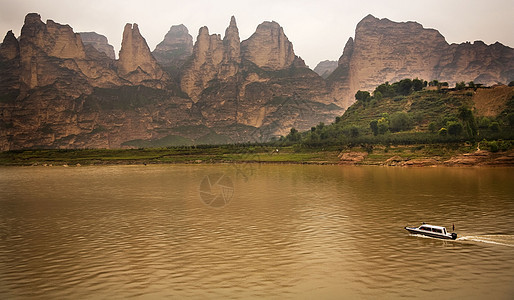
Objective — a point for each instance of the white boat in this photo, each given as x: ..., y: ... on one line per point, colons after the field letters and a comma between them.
x: 432, y: 231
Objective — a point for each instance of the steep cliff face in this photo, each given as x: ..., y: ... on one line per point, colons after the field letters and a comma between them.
x: 269, y: 47
x: 10, y: 70
x: 10, y: 48
x: 478, y: 62
x: 176, y: 47
x: 136, y: 63
x: 213, y: 58
x: 52, y: 53
x: 57, y: 91
x: 99, y: 42
x: 255, y: 89
x: 389, y: 51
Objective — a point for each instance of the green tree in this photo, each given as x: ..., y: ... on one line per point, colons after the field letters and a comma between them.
x: 383, y: 125
x: 377, y: 95
x: 432, y: 127
x: 466, y: 115
x: 294, y: 135
x: 454, y: 128
x: 362, y: 96
x: 400, y: 121
x: 403, y: 87
x: 460, y: 85
x: 484, y: 122
x: 417, y: 84
x: 385, y: 89
x: 374, y: 126
x: 354, y: 131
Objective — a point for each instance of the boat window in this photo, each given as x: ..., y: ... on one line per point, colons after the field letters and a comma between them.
x: 444, y: 230
x: 436, y: 230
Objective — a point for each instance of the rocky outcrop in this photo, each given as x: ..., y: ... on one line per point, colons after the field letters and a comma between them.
x: 252, y: 91
x: 10, y: 48
x: 57, y: 91
x: 384, y: 50
x: 213, y: 59
x: 477, y: 62
x: 136, y: 63
x: 10, y: 70
x: 176, y: 47
x: 52, y: 54
x: 99, y: 42
x: 268, y: 47
x: 325, y: 68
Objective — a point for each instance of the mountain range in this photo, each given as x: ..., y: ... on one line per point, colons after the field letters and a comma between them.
x: 61, y: 89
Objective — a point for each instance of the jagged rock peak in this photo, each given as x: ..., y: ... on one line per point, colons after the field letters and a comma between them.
x: 53, y: 38
x: 347, y: 52
x: 99, y: 42
x: 269, y: 47
x: 10, y: 48
x: 134, y: 51
x: 176, y: 47
x: 232, y: 43
x: 178, y: 37
x: 33, y: 18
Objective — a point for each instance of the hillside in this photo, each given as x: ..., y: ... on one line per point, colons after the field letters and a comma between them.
x: 428, y: 115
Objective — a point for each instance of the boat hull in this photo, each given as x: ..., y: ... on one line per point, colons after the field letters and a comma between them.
x: 412, y: 230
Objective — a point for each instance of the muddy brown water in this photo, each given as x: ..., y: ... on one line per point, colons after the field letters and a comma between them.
x: 254, y: 231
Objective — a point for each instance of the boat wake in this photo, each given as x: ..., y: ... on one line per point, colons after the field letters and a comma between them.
x: 498, y: 239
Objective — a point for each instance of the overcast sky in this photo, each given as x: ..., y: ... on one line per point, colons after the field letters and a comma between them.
x: 317, y: 29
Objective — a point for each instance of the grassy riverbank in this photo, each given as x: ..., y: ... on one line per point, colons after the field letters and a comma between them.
x: 429, y: 154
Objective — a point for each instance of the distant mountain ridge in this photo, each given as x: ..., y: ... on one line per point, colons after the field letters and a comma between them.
x: 60, y: 89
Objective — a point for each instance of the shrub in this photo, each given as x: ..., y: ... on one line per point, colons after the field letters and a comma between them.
x: 400, y: 121
x: 454, y: 128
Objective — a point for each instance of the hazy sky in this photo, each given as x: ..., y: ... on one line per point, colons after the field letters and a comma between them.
x: 318, y: 29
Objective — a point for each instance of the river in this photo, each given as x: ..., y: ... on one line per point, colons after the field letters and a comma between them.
x: 254, y: 231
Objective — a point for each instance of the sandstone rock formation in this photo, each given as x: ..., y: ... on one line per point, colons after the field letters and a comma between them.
x: 384, y: 50
x: 136, y: 63
x: 57, y: 91
x: 176, y: 47
x: 213, y: 58
x: 325, y: 68
x: 99, y: 42
x: 10, y: 48
x: 10, y: 70
x: 269, y: 47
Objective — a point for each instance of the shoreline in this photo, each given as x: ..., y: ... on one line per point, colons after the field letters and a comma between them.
x: 357, y: 157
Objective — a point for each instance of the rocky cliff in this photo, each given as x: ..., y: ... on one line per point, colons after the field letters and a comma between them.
x: 59, y: 89
x: 269, y: 47
x: 176, y: 47
x: 384, y: 50
x: 136, y: 63
x: 99, y: 42
x: 254, y: 89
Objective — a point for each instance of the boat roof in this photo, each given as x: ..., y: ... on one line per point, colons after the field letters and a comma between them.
x: 433, y: 226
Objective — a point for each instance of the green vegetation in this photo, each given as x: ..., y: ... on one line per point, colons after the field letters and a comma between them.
x: 403, y: 113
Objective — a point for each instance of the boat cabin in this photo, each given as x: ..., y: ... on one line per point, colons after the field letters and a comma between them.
x: 432, y: 228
